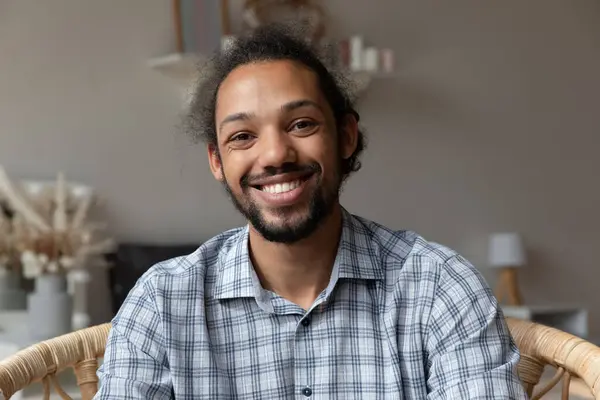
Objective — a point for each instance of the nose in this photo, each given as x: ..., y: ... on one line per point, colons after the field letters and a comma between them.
x: 276, y: 149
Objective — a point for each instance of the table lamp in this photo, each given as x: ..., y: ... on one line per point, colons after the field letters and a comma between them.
x: 506, y: 252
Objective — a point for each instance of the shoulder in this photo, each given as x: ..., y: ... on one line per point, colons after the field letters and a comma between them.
x: 193, y: 267
x: 176, y: 286
x: 405, y: 252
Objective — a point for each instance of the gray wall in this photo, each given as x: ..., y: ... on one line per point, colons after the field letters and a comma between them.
x: 491, y: 124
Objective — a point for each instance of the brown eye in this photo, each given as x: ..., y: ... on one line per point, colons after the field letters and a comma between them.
x: 241, y: 137
x: 303, y: 125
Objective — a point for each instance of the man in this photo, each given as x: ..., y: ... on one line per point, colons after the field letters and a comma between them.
x: 307, y: 300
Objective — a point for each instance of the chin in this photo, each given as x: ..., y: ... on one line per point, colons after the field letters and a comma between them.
x: 285, y: 233
x: 294, y: 211
x: 283, y: 220
x: 290, y: 225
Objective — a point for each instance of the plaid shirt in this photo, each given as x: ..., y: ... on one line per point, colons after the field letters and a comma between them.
x: 402, y: 318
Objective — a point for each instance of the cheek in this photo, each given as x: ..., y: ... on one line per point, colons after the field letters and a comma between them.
x: 327, y: 154
x: 232, y: 172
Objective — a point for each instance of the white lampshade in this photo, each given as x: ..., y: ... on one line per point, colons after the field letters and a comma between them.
x: 506, y: 250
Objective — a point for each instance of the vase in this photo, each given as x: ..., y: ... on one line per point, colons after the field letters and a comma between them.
x: 12, y: 295
x: 49, y: 307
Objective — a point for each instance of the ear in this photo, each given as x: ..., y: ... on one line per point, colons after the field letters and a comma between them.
x: 348, y: 135
x: 214, y: 160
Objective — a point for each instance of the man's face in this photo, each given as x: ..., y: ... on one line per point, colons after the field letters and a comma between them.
x: 279, y: 150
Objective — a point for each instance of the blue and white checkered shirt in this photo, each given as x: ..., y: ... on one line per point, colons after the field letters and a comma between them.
x: 402, y: 318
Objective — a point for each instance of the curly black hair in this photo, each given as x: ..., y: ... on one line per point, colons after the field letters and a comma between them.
x: 269, y: 43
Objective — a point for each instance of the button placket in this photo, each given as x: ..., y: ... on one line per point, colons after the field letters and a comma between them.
x: 303, y: 354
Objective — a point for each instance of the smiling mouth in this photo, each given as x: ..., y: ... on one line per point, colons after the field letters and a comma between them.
x: 283, y: 187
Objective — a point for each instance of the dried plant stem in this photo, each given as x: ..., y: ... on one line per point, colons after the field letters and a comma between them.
x: 19, y: 203
x: 59, y: 221
x: 81, y: 212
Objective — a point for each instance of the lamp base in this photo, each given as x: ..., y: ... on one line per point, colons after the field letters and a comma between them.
x: 508, y: 285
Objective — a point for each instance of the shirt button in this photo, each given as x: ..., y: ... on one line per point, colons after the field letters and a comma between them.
x: 307, y: 391
x: 306, y: 322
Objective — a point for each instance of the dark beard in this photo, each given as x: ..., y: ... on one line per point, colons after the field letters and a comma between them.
x: 320, y: 206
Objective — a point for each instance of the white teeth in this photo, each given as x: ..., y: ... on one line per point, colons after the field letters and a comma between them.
x: 281, y: 187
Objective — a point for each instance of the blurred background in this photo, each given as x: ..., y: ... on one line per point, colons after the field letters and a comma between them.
x: 482, y: 119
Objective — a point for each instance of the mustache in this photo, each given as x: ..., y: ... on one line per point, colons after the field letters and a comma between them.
x: 313, y: 168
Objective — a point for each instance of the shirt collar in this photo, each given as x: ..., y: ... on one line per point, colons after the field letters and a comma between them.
x: 357, y: 258
x: 236, y: 276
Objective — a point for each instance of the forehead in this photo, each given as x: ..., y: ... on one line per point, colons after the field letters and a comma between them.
x: 263, y: 86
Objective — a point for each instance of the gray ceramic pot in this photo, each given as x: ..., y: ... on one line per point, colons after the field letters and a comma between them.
x: 12, y: 295
x: 50, y: 307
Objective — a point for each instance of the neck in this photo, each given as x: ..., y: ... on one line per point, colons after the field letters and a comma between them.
x: 299, y: 271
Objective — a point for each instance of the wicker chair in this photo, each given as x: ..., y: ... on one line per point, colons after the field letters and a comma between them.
x: 539, y: 345
x: 40, y: 362
x: 571, y: 356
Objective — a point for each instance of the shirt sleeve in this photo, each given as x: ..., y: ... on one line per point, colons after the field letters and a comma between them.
x: 471, y: 354
x: 135, y: 363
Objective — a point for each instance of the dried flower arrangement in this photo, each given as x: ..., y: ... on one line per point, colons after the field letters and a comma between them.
x: 50, y: 229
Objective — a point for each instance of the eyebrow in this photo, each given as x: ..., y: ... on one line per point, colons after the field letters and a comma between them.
x: 242, y: 116
x: 291, y: 106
